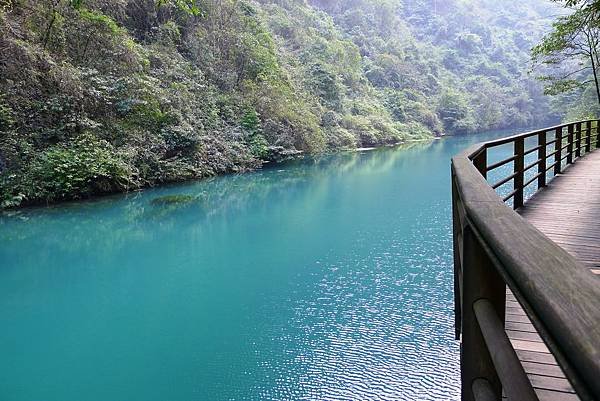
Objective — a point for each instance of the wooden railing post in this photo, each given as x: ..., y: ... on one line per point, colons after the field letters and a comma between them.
x: 487, y: 238
x: 570, y: 144
x: 557, y: 149
x: 480, y: 163
x: 578, y: 140
x: 588, y: 136
x: 542, y: 157
x: 480, y: 280
x: 457, y: 224
x: 519, y: 166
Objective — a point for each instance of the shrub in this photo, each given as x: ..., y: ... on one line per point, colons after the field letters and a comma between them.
x: 250, y: 121
x: 80, y: 168
x: 6, y: 115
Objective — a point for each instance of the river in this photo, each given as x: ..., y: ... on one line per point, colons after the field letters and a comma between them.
x: 326, y: 278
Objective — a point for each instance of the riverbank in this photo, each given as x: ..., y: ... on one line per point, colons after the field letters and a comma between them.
x: 277, y: 156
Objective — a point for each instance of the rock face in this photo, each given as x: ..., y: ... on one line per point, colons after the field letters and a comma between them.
x: 279, y: 154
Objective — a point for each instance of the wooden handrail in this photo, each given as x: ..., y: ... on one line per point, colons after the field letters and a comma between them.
x: 495, y: 247
x: 575, y: 147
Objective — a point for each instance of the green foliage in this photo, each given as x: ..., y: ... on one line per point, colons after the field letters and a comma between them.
x: 100, y: 20
x: 580, y: 105
x: 188, y: 6
x: 325, y: 86
x: 558, y: 86
x: 250, y: 121
x: 455, y: 112
x: 6, y: 115
x: 100, y: 96
x: 169, y: 34
x: 568, y: 55
x: 259, y: 147
x: 6, y: 6
x: 84, y: 167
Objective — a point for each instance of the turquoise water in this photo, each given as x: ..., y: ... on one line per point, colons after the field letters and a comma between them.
x: 320, y: 279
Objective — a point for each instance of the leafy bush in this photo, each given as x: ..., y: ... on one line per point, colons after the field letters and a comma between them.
x: 83, y: 167
x: 6, y: 115
x: 251, y: 122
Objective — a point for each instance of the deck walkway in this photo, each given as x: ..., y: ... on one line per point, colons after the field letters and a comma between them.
x: 568, y: 212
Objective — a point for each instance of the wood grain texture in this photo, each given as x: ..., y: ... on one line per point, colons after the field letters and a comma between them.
x: 542, y: 272
x: 550, y: 263
x: 568, y: 212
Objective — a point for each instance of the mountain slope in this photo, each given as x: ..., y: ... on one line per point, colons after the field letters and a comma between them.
x: 99, y: 96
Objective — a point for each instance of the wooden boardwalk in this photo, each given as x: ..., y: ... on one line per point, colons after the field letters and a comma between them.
x: 567, y: 212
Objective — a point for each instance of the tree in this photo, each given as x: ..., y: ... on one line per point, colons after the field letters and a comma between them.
x: 590, y: 4
x: 571, y: 49
x: 56, y: 9
x: 455, y: 113
x: 188, y: 6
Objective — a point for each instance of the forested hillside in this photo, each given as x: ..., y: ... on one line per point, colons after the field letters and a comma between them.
x: 98, y: 96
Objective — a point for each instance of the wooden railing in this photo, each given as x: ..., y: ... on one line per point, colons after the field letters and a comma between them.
x: 495, y: 247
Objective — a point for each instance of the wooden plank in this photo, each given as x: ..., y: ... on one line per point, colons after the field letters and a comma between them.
x: 514, y: 311
x: 526, y: 336
x: 525, y: 327
x: 538, y: 357
x: 530, y: 346
x: 543, y: 369
x: 549, y: 395
x: 517, y: 318
x: 567, y: 210
x: 551, y: 383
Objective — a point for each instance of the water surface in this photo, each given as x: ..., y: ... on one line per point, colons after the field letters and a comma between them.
x: 327, y: 278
